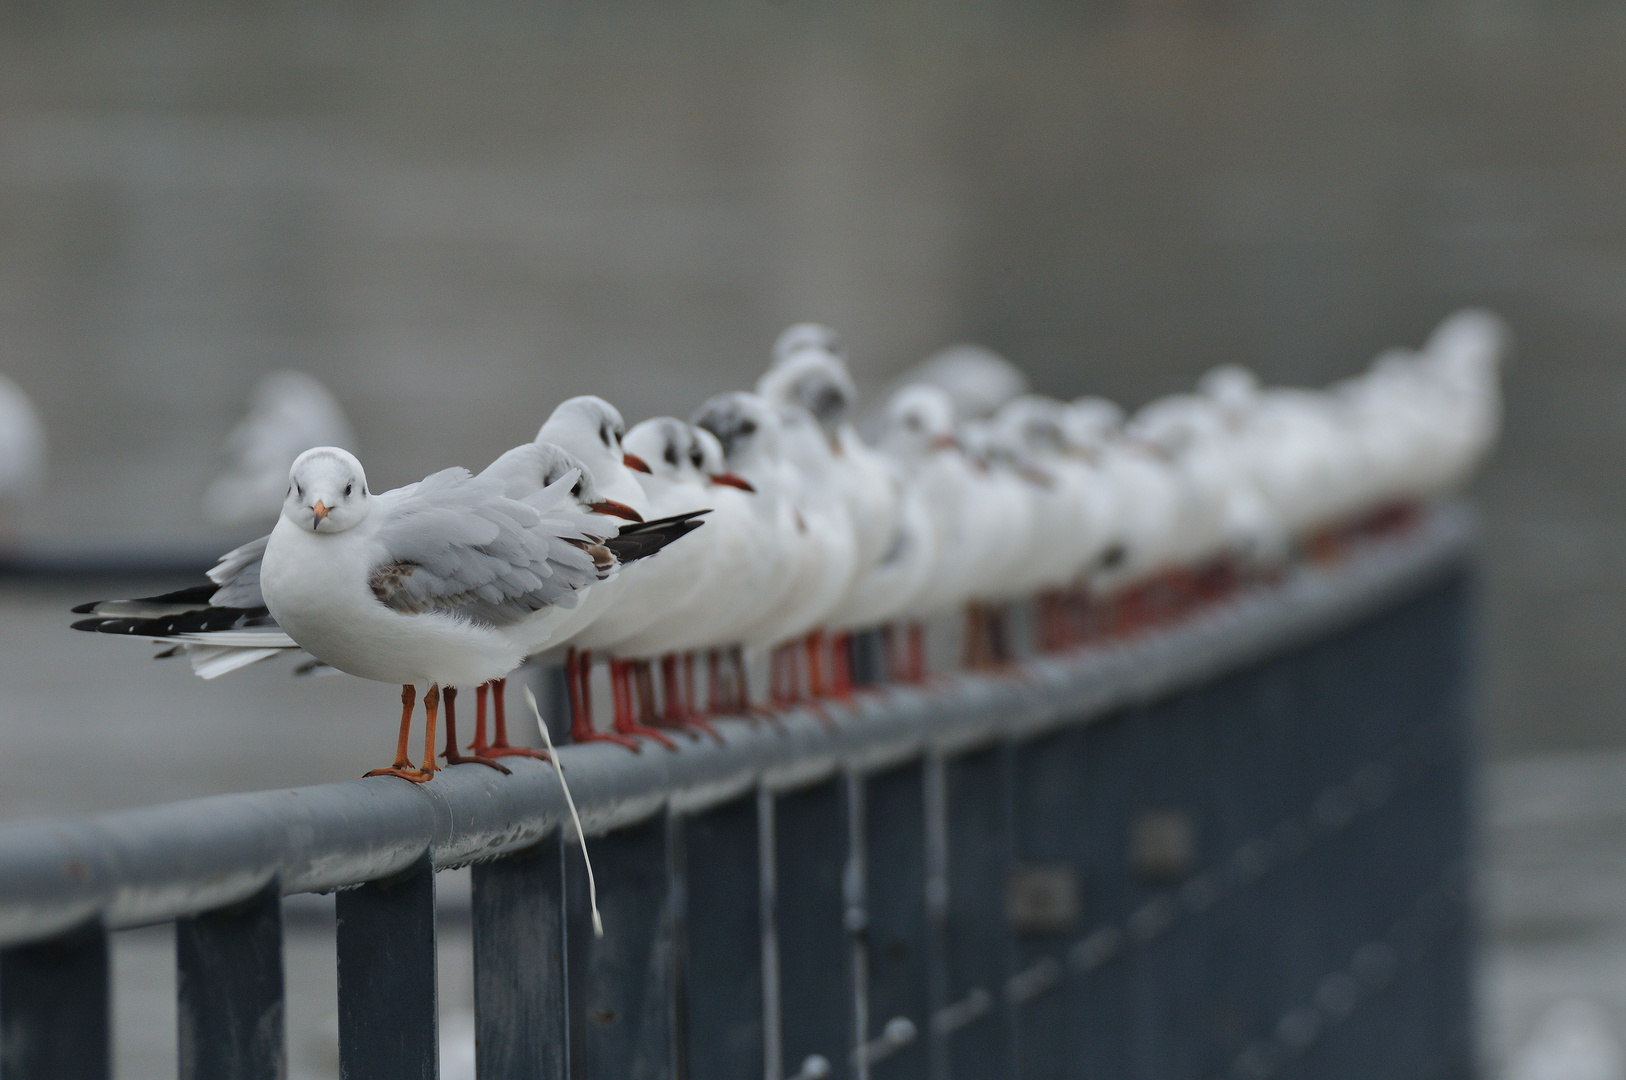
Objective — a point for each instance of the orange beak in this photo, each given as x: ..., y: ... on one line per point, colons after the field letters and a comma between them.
x: 633, y: 461
x: 615, y: 509
x: 733, y: 480
x: 320, y: 511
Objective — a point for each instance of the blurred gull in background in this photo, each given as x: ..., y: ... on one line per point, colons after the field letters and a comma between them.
x: 22, y: 455
x: 289, y: 412
x: 977, y: 379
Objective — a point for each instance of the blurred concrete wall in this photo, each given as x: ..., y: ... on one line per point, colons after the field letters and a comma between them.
x: 457, y: 219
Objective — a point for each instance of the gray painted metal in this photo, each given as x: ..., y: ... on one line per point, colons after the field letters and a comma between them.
x: 722, y: 943
x: 387, y: 989
x: 897, y: 939
x: 810, y: 898
x: 519, y: 965
x: 143, y: 866
x: 55, y: 1019
x: 623, y: 1022
x: 229, y: 992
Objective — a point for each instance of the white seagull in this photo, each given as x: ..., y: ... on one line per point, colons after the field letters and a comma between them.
x: 288, y: 413
x: 441, y: 582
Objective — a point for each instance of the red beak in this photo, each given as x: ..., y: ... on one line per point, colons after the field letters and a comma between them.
x: 733, y: 480
x: 615, y: 509
x: 633, y: 461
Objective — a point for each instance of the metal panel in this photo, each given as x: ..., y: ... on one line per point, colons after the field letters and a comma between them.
x: 519, y: 966
x: 722, y: 954
x: 971, y: 1032
x: 622, y: 989
x: 899, y: 1007
x: 229, y: 992
x: 810, y: 912
x: 54, y: 1008
x: 386, y: 947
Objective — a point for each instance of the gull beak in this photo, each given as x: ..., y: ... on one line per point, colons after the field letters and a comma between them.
x: 633, y: 461
x: 615, y: 509
x: 733, y: 480
x: 321, y: 513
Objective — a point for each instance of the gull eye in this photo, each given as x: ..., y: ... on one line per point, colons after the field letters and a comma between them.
x: 671, y: 456
x: 299, y: 491
x: 604, y: 434
x: 748, y: 427
x: 577, y: 490
x: 696, y: 458
x: 349, y: 489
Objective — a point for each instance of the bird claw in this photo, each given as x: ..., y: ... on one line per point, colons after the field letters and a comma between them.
x: 479, y: 757
x: 511, y: 751
x: 405, y: 772
x: 639, y: 729
x: 608, y: 736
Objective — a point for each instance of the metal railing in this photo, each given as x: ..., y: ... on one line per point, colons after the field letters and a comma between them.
x: 1234, y: 847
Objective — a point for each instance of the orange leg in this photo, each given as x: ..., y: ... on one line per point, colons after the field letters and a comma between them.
x: 579, y: 677
x: 404, y: 766
x: 452, y: 754
x: 917, y: 652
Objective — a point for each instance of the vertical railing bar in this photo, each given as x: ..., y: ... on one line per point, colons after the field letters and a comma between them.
x: 387, y: 987
x: 936, y: 900
x: 56, y: 1017
x: 230, y: 1009
x: 773, y: 1066
x: 857, y: 922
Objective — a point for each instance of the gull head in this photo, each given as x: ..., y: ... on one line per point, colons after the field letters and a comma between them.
x: 746, y: 427
x: 666, y: 445
x: 1092, y: 422
x: 809, y: 336
x: 550, y: 464
x: 592, y: 429
x: 815, y: 380
x: 1233, y: 388
x: 327, y: 491
x: 1036, y: 422
x: 918, y: 419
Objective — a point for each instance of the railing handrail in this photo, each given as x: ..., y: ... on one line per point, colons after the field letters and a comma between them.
x: 134, y: 867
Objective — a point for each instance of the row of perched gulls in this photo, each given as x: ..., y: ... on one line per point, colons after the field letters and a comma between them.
x: 766, y: 524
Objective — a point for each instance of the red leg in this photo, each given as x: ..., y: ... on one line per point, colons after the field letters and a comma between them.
x: 500, y: 746
x: 917, y: 652
x: 402, y: 766
x: 621, y: 678
x: 677, y: 693
x: 578, y: 676
x: 452, y: 754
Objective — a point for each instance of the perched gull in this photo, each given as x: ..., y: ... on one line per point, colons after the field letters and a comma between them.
x: 977, y: 379
x: 440, y: 582
x: 288, y: 413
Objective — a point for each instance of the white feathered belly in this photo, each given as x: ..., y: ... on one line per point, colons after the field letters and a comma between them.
x: 316, y: 588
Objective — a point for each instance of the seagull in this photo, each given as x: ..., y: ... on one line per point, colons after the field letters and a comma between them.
x: 288, y: 413
x: 977, y: 379
x: 810, y: 374
x: 441, y: 582
x: 22, y: 452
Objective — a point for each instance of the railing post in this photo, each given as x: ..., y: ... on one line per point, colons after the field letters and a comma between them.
x: 229, y: 991
x: 519, y: 965
x: 54, y: 1008
x: 816, y: 1007
x: 722, y: 948
x: 387, y: 992
x: 622, y: 987
x: 899, y: 1005
x: 966, y: 897
x: 1072, y: 811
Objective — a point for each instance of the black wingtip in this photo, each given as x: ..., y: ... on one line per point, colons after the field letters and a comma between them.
x: 646, y: 538
x: 84, y: 609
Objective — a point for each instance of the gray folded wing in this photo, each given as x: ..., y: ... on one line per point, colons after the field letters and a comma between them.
x: 455, y: 543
